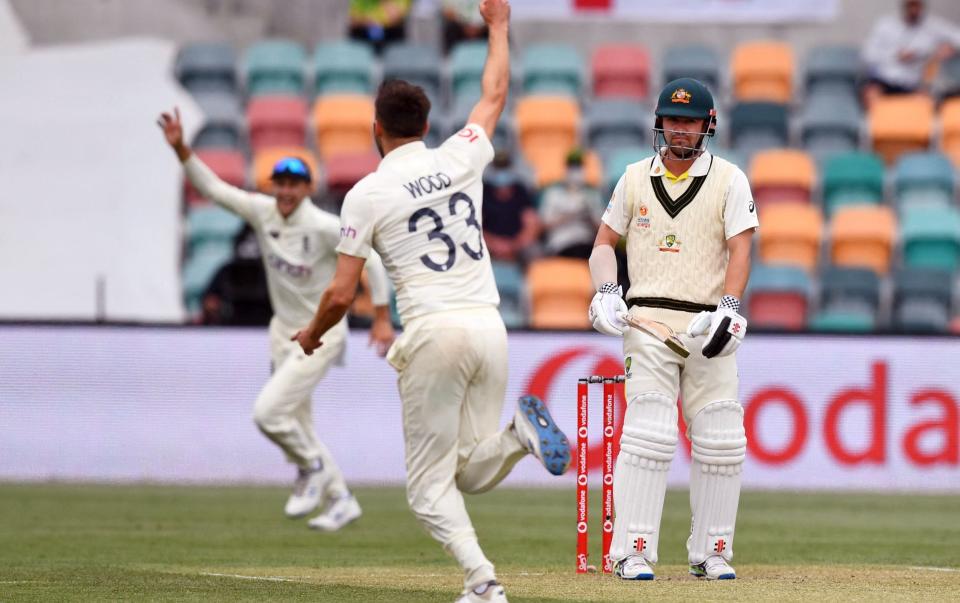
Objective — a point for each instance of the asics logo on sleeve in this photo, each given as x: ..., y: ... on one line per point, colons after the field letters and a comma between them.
x: 424, y: 185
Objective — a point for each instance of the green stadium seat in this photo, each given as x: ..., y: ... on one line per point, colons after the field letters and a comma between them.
x: 616, y: 123
x: 931, y: 237
x: 466, y: 69
x: 778, y: 297
x: 848, y: 289
x: 416, y: 63
x: 832, y: 68
x: 510, y: 284
x: 207, y: 67
x: 843, y: 321
x: 211, y: 223
x: 756, y: 126
x: 345, y: 66
x: 552, y: 69
x: 616, y: 164
x: 275, y: 67
x: 922, y: 299
x: 201, y: 266
x: 696, y: 61
x: 831, y: 123
x: 924, y: 178
x: 947, y: 81
x: 852, y: 179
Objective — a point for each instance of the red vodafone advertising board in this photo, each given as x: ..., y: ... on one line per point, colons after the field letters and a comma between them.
x: 163, y: 405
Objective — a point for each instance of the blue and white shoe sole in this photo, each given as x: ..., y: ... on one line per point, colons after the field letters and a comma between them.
x: 553, y: 444
x: 639, y: 577
x: 699, y: 573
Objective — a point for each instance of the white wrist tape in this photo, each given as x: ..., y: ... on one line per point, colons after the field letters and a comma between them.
x: 603, y: 266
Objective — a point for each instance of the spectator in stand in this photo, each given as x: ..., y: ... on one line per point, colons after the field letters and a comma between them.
x: 237, y: 295
x: 571, y: 213
x: 461, y: 22
x: 379, y: 22
x: 900, y: 48
x: 511, y: 226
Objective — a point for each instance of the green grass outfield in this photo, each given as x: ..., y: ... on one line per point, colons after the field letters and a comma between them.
x: 93, y: 542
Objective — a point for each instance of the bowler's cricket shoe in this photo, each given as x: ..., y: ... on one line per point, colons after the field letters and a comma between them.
x: 633, y: 567
x: 488, y: 592
x: 540, y: 435
x: 307, y: 493
x: 339, y: 513
x: 714, y: 567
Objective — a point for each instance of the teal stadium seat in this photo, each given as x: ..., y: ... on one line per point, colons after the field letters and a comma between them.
x: 211, y: 224
x: 833, y: 69
x: 831, y: 123
x: 416, y: 63
x: 466, y: 70
x: 275, y: 67
x: 852, y: 179
x: 200, y: 268
x: 778, y: 297
x: 923, y: 178
x: 842, y: 321
x: 343, y: 67
x: 617, y: 123
x: 849, y: 300
x: 207, y: 67
x: 510, y: 284
x: 693, y: 60
x: 757, y: 126
x: 734, y: 157
x: 552, y: 69
x: 922, y: 300
x: 931, y: 237
x: 616, y: 164
x: 947, y: 82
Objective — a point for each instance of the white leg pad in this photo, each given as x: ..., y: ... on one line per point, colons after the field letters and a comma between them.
x: 719, y: 446
x: 640, y: 476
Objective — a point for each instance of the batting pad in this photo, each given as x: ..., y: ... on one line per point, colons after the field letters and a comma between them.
x: 719, y: 445
x: 640, y: 478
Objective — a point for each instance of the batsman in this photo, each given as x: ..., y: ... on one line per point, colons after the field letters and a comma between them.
x: 688, y: 218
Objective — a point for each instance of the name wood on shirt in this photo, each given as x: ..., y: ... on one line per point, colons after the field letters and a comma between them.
x: 424, y: 185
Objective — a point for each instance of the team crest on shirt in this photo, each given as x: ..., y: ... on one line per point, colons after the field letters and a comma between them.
x: 670, y: 243
x: 680, y: 96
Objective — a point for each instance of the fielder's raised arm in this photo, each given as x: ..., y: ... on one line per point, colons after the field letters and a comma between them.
x: 495, y: 83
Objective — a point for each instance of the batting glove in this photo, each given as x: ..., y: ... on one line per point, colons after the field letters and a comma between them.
x: 724, y: 328
x: 606, y: 305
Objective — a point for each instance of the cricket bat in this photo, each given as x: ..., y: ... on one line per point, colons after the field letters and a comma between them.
x: 658, y: 330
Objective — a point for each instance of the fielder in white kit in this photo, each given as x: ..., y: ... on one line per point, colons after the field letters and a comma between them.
x: 421, y: 212
x: 688, y: 218
x: 297, y: 240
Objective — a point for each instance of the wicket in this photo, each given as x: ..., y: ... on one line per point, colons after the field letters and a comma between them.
x: 583, y: 490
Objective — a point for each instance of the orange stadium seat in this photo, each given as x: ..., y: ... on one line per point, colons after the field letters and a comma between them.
x: 782, y: 175
x: 263, y: 162
x: 343, y: 123
x: 950, y: 129
x: 560, y: 293
x: 763, y: 71
x: 547, y: 128
x: 621, y: 70
x: 862, y: 236
x: 228, y: 164
x: 552, y: 168
x: 790, y: 235
x: 276, y: 121
x: 899, y: 124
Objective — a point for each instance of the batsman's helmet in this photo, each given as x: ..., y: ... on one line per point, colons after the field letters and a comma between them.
x: 685, y: 97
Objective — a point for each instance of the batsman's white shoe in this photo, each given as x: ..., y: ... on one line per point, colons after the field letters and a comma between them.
x: 488, y: 592
x: 714, y: 567
x: 341, y: 511
x: 540, y: 435
x: 633, y: 567
x: 307, y: 493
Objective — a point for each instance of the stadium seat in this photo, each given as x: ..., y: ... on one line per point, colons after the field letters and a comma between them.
x: 345, y: 66
x: 863, y: 236
x: 830, y: 123
x: 782, y: 175
x: 755, y: 126
x: 228, y: 164
x: 343, y: 171
x: 621, y: 71
x: 211, y: 224
x: 852, y: 179
x: 843, y: 321
x: 275, y: 67
x: 466, y: 69
x: 560, y: 292
x: 900, y: 124
x: 504, y: 137
x: 923, y: 178
x: 735, y: 157
x: 616, y: 164
x: 778, y: 297
x: 763, y: 71
x: 694, y: 60
x: 263, y: 162
x: 616, y: 123
x: 547, y: 128
x: 416, y: 63
x: 849, y: 289
x: 276, y: 121
x: 832, y: 68
x: 922, y: 300
x: 510, y: 284
x: 950, y: 125
x: 552, y: 69
x: 550, y: 168
x: 931, y: 237
x: 204, y: 261
x: 343, y: 123
x: 223, y: 127
x: 947, y: 81
x: 207, y: 67
x: 790, y: 235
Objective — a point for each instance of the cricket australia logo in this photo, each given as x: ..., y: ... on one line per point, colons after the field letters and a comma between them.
x: 670, y: 243
x: 680, y: 96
